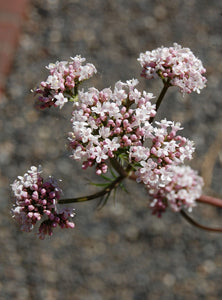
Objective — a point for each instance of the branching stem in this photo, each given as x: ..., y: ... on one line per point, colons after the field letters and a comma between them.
x: 128, y: 172
x: 114, y: 184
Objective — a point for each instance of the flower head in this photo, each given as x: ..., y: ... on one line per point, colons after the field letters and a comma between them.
x: 177, y: 65
x: 180, y: 192
x: 36, y: 199
x: 105, y: 122
x: 166, y: 149
x: 64, y: 77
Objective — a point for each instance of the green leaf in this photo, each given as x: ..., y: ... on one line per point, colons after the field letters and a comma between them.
x: 112, y: 172
x: 103, y: 201
x: 123, y: 188
x: 106, y: 178
x: 99, y: 184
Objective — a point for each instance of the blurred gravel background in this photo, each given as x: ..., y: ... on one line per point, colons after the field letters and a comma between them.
x: 121, y: 252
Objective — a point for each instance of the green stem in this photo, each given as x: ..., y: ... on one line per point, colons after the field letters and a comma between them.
x: 119, y: 169
x: 114, y: 184
x: 161, y: 96
x: 76, y: 89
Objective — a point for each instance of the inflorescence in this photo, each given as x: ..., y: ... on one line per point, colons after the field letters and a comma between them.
x: 117, y: 124
x: 36, y: 200
x: 177, y: 64
x: 63, y: 79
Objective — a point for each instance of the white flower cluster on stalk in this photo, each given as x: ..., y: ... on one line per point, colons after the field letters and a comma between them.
x: 36, y: 200
x: 63, y: 79
x: 176, y: 64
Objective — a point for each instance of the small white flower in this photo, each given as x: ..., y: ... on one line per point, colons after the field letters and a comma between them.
x: 60, y: 100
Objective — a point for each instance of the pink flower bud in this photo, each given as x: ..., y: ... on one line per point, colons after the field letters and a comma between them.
x: 35, y: 195
x: 31, y: 207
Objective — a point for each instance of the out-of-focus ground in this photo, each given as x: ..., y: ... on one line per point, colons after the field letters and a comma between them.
x: 121, y: 252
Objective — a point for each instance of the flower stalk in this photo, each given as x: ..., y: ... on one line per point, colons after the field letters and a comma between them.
x: 196, y: 224
x: 210, y: 200
x: 107, y: 190
x: 161, y: 96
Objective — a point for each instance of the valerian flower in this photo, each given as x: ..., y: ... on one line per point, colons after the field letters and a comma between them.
x: 63, y: 79
x: 36, y: 199
x: 182, y: 190
x: 176, y: 64
x: 105, y: 122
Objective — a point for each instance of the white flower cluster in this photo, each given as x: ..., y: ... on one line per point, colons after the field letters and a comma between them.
x: 184, y: 187
x: 167, y: 149
x: 107, y: 123
x: 64, y: 77
x: 176, y: 64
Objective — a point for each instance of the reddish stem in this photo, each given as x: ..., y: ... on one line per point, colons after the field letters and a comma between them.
x: 210, y: 200
x: 196, y: 224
